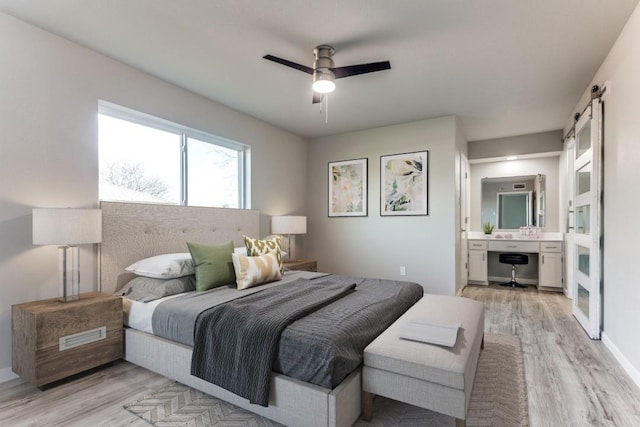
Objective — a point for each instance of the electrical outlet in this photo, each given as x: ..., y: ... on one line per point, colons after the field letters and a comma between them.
x: 403, y: 270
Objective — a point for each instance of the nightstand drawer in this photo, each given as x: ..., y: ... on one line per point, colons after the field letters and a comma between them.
x: 53, y: 364
x: 52, y: 325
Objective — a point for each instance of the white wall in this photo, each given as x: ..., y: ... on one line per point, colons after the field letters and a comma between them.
x: 49, y: 92
x: 547, y: 166
x: 376, y: 246
x: 621, y: 202
x: 461, y: 150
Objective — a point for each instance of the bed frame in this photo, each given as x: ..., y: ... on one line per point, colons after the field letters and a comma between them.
x: 132, y: 231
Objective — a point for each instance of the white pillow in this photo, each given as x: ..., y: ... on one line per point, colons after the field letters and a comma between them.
x: 167, y: 266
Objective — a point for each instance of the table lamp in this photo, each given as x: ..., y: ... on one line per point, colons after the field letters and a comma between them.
x: 67, y: 228
x: 289, y: 224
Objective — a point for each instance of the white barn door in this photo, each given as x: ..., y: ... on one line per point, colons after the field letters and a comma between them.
x: 587, y: 221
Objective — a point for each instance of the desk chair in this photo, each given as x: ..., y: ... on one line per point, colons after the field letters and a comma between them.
x: 513, y: 259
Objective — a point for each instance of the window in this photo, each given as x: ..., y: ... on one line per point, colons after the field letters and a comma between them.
x: 147, y: 159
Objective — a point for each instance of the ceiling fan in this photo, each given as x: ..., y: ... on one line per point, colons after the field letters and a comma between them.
x: 324, y: 73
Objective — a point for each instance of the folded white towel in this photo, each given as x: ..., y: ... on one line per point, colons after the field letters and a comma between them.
x: 432, y: 332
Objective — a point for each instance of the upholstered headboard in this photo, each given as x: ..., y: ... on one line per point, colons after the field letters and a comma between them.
x: 133, y: 231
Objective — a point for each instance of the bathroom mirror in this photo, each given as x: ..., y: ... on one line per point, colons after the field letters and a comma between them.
x: 509, y: 203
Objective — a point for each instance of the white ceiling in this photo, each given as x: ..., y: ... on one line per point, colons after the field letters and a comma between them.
x: 505, y: 67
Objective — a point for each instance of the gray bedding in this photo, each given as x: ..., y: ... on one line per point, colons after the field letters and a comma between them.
x: 321, y: 348
x: 175, y: 319
x: 239, y: 355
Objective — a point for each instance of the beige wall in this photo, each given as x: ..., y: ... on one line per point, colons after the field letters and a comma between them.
x: 49, y: 92
x: 621, y: 280
x: 376, y: 246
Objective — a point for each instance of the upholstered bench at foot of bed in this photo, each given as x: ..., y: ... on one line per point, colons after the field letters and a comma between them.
x: 430, y: 376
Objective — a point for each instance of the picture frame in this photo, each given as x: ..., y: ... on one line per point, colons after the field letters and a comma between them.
x: 404, y: 184
x: 348, y: 188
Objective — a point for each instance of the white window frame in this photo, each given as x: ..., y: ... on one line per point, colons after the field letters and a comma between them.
x: 123, y: 113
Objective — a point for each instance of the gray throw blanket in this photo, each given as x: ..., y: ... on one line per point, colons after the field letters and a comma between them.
x: 236, y: 342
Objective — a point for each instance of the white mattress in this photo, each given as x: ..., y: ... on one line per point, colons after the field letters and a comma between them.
x: 137, y: 315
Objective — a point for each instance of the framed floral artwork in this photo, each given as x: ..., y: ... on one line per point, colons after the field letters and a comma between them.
x: 348, y: 188
x: 404, y: 184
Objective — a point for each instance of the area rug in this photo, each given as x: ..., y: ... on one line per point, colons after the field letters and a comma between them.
x: 498, y: 398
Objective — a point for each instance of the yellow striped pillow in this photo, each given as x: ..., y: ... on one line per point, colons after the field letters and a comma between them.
x: 255, y: 270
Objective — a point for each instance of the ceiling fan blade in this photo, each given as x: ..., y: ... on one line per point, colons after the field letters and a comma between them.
x: 317, y: 98
x: 354, y: 70
x: 302, y: 68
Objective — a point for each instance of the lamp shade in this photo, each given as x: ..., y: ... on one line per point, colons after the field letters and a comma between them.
x: 52, y: 226
x: 288, y: 224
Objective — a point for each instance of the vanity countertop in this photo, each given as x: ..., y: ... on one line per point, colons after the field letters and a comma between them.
x: 548, y: 236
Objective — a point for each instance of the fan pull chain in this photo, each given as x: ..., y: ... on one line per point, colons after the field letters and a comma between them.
x: 326, y: 108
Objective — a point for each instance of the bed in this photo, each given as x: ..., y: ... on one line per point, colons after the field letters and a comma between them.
x: 135, y: 231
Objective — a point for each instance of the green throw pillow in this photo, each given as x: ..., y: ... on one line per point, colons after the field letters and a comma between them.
x: 213, y: 265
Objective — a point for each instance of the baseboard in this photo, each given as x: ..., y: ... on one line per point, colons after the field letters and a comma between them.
x: 626, y: 365
x: 524, y: 281
x: 7, y: 374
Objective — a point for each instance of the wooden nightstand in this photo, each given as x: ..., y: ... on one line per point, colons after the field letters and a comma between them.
x: 53, y: 340
x: 301, y: 264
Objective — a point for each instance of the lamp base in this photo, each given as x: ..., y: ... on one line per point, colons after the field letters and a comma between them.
x: 291, y: 257
x: 68, y: 273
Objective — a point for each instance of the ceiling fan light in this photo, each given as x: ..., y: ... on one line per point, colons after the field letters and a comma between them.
x: 323, y: 82
x: 324, y: 86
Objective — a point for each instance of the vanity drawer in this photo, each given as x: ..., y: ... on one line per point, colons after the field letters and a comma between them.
x: 478, y: 244
x: 550, y: 246
x: 514, y: 246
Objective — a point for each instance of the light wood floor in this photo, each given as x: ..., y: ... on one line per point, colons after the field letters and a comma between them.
x: 571, y: 380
